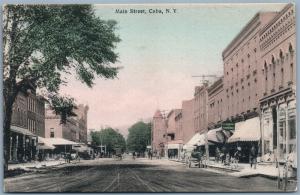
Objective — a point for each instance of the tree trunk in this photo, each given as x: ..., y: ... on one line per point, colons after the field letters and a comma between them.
x: 9, y: 97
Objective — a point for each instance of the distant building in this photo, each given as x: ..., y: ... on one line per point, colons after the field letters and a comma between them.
x: 200, y: 108
x: 188, y: 129
x: 159, y: 129
x: 75, y: 128
x: 215, y: 104
x: 27, y: 123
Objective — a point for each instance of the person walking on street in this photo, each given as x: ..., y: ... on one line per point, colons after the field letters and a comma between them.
x: 253, y: 156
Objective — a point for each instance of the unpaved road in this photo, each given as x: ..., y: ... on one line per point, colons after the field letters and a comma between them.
x: 134, y: 176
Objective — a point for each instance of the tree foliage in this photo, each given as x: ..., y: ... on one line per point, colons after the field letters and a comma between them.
x: 110, y: 138
x: 43, y: 42
x: 139, y: 137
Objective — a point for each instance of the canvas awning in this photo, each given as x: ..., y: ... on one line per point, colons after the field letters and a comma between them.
x: 21, y: 130
x: 44, y: 145
x: 59, y: 142
x: 248, y: 130
x: 197, y: 140
x: 215, y: 136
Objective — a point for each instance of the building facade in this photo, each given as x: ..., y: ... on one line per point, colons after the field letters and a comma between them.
x: 159, y: 129
x: 81, y: 111
x: 277, y: 41
x: 242, y: 75
x: 188, y: 129
x: 200, y: 108
x: 215, y: 104
x: 28, y: 122
x: 75, y: 128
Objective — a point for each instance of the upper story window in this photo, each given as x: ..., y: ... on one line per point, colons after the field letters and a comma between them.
x: 51, y: 132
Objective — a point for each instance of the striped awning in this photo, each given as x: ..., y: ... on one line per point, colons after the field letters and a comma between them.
x: 248, y: 130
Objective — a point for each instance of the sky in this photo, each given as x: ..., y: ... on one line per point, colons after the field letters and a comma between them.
x: 159, y: 54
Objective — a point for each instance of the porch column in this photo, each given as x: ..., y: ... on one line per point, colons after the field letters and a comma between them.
x: 10, y: 148
x: 24, y: 148
x: 287, y: 134
x: 262, y: 133
x: 278, y: 133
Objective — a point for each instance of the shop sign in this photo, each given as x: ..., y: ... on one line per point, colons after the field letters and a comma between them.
x: 228, y: 126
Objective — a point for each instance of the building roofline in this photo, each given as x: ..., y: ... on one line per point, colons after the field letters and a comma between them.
x: 241, y: 32
x: 271, y: 22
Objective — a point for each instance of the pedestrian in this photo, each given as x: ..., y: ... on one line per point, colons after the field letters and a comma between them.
x: 253, y: 156
x: 227, y: 159
x: 217, y: 157
x: 133, y: 155
x: 236, y: 157
x: 40, y: 156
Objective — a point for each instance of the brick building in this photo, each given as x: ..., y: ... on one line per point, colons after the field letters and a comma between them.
x: 159, y: 129
x: 27, y: 123
x: 277, y: 41
x: 242, y: 79
x: 215, y: 104
x: 188, y: 129
x: 75, y: 128
x: 200, y: 108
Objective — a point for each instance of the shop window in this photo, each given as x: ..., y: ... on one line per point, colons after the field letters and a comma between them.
x: 292, y: 128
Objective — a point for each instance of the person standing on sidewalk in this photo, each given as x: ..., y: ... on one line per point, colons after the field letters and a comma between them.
x: 253, y: 156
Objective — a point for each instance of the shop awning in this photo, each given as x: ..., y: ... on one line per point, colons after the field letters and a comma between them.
x: 248, y: 130
x: 44, y: 145
x: 59, y: 142
x: 197, y: 140
x: 21, y: 130
x: 216, y: 136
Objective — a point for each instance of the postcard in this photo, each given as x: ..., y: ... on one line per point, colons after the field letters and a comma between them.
x: 178, y: 97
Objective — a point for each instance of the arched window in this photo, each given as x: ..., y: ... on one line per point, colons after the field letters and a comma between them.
x: 291, y: 50
x: 282, y: 77
x: 280, y: 54
x: 273, y: 60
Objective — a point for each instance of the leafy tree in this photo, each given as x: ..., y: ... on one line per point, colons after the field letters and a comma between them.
x: 109, y: 138
x: 139, y: 137
x: 43, y: 42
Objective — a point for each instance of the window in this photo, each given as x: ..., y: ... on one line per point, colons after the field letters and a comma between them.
x: 273, y: 60
x: 51, y: 132
x: 282, y: 76
x: 291, y: 50
x: 281, y: 54
x: 292, y: 72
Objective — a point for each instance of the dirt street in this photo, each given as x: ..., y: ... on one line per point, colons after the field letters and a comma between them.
x: 141, y: 175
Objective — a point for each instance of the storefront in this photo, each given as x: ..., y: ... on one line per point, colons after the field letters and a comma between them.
x: 174, y: 149
x: 247, y: 134
x: 279, y: 137
x: 23, y: 145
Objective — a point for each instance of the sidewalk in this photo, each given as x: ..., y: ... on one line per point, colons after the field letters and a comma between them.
x: 35, y: 164
x: 244, y: 169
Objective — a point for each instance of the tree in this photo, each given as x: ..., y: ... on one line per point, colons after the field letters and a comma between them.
x: 139, y: 137
x: 109, y: 138
x: 43, y: 42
